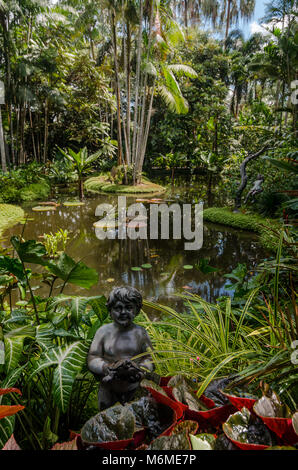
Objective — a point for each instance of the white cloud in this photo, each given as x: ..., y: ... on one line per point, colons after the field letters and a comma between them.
x: 257, y: 28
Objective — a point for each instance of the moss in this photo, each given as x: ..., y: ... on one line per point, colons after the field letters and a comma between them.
x: 10, y: 215
x: 101, y: 183
x: 268, y: 229
x: 35, y: 192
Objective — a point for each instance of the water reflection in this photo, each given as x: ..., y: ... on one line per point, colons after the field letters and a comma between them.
x: 113, y: 259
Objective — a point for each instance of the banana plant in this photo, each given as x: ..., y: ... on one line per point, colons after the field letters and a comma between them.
x: 82, y: 163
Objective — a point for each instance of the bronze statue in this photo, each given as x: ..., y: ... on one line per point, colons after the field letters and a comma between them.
x: 114, y: 345
x: 256, y: 189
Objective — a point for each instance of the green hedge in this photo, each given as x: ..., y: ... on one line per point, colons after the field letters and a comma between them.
x: 267, y: 228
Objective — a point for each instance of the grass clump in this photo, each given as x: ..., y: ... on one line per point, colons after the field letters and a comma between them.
x: 10, y: 215
x: 268, y: 229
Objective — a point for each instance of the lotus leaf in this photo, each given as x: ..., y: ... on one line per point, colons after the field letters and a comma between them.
x: 245, y: 428
x: 113, y: 424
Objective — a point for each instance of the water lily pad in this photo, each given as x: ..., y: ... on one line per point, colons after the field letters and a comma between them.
x: 136, y: 268
x: 73, y: 203
x: 188, y: 266
x: 147, y: 266
x: 106, y: 224
x: 43, y: 208
x: 113, y: 424
x: 49, y: 203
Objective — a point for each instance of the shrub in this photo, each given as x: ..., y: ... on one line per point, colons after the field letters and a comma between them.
x: 35, y: 191
x: 9, y: 194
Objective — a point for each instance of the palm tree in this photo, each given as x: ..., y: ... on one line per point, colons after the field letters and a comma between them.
x: 233, y: 10
x: 144, y: 72
x: 242, y: 53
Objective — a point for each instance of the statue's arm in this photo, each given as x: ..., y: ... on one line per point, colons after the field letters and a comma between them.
x: 96, y: 363
x: 146, y: 361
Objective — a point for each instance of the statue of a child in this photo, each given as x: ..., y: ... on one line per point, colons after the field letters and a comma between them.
x: 114, y: 345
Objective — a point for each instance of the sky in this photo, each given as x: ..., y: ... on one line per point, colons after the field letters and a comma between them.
x: 253, y: 25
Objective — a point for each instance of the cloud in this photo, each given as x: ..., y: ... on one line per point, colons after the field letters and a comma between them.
x: 257, y: 28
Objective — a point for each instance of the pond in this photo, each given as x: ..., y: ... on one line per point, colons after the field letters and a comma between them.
x: 113, y: 259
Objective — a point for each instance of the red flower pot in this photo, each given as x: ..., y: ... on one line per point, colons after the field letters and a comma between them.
x: 240, y: 402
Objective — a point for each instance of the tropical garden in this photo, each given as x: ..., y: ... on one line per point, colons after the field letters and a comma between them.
x: 161, y: 102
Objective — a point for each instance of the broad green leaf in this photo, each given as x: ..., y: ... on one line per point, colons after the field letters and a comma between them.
x: 13, y: 352
x: 98, y: 305
x: 44, y: 335
x: 29, y: 251
x: 77, y: 308
x: 12, y: 266
x: 67, y: 363
x: 73, y: 272
x: 284, y: 165
x: 6, y: 429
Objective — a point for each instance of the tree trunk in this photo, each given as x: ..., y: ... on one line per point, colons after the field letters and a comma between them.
x: 139, y: 49
x: 2, y: 146
x: 119, y: 130
x: 186, y: 14
x: 227, y: 22
x: 46, y: 132
x: 81, y: 188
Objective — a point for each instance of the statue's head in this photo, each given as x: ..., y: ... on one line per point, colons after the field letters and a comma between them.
x: 260, y: 177
x: 124, y: 303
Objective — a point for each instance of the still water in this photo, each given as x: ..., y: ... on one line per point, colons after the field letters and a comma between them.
x: 113, y: 259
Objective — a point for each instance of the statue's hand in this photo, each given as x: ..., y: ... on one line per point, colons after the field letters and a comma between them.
x: 135, y: 375
x: 108, y: 378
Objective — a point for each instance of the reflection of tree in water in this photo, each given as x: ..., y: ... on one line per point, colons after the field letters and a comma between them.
x: 113, y: 259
